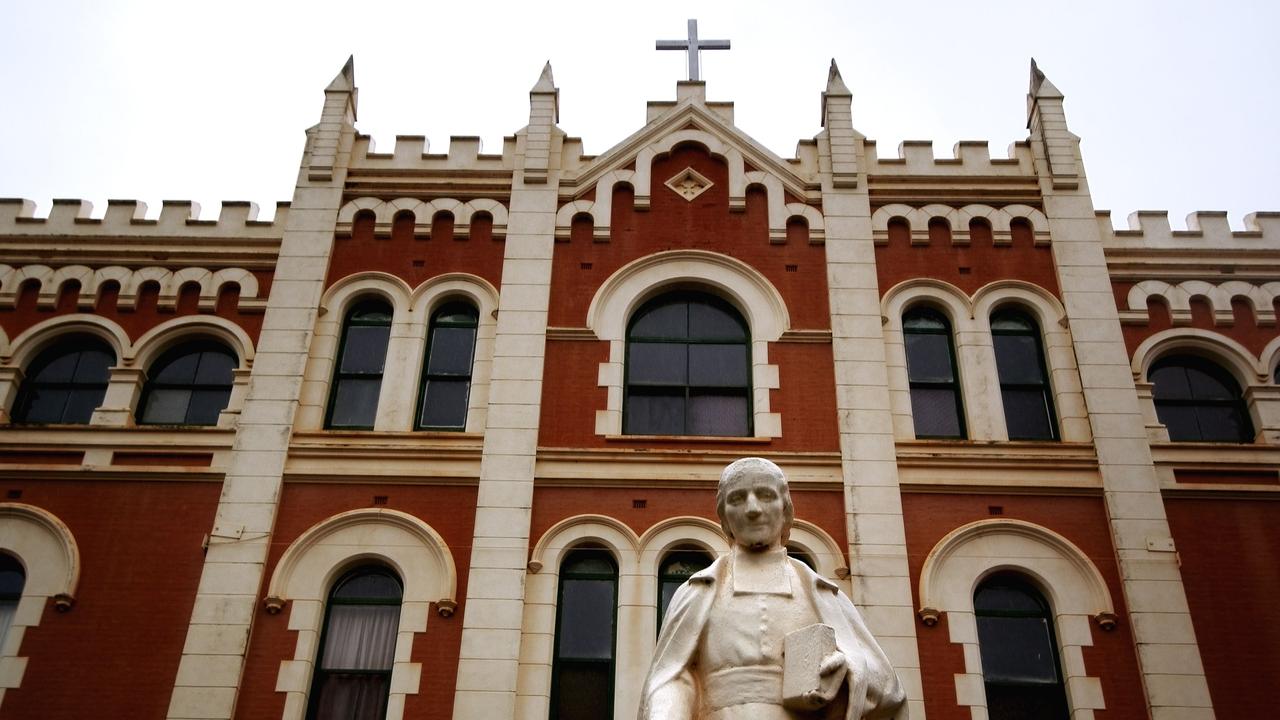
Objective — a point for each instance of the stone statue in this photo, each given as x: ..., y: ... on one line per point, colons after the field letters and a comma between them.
x: 760, y: 636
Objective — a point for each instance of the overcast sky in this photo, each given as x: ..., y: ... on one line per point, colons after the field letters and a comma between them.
x: 1176, y: 101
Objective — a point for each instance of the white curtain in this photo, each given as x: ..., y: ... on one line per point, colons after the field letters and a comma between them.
x: 361, y: 637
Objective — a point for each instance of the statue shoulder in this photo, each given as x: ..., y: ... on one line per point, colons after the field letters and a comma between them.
x: 814, y: 579
x: 711, y: 573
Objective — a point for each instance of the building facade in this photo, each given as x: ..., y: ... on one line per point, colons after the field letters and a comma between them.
x: 439, y: 439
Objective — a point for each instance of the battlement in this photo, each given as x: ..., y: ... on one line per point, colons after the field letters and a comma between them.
x: 1206, y: 230
x: 968, y: 157
x: 412, y: 152
x: 127, y: 218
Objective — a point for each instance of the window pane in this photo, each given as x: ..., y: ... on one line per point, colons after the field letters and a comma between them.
x: 929, y: 358
x: 176, y: 370
x: 586, y: 619
x: 655, y: 413
x: 583, y: 691
x: 94, y: 367
x: 718, y: 365
x: 444, y: 403
x: 712, y: 414
x: 451, y: 350
x: 1180, y: 420
x: 1223, y: 423
x: 664, y: 321
x: 1012, y: 322
x: 167, y: 406
x: 361, y: 637
x: 709, y: 321
x: 45, y: 405
x: 1170, y: 382
x: 1003, y: 598
x: 925, y: 320
x: 935, y: 412
x: 81, y: 403
x: 1034, y: 702
x: 684, y: 564
x: 369, y: 585
x: 365, y: 350
x: 587, y: 564
x: 1027, y: 415
x: 206, y: 405
x: 352, y: 697
x: 355, y: 404
x: 60, y: 369
x: 1018, y: 358
x: 1016, y: 649
x: 658, y: 363
x: 1205, y: 386
x: 215, y: 368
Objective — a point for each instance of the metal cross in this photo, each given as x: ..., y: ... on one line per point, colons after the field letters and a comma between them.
x: 693, y: 45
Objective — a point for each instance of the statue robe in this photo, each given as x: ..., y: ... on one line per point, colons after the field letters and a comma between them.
x: 671, y: 689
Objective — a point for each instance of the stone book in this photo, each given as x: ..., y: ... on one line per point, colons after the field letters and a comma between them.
x: 802, y: 654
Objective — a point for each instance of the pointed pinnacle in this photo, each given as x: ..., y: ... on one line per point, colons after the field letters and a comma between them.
x: 346, y: 78
x: 1041, y: 86
x: 835, y: 83
x: 546, y: 83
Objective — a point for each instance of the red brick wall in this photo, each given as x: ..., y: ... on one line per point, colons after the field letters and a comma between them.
x: 450, y: 510
x: 115, y: 654
x: 1230, y: 553
x: 1083, y: 521
x: 415, y: 259
x: 967, y: 267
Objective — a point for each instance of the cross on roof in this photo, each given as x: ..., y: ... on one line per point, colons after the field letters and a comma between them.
x: 693, y: 45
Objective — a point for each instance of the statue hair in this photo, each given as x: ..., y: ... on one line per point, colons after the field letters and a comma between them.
x: 745, y: 465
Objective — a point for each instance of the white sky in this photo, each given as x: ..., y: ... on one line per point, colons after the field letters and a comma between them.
x: 1176, y: 101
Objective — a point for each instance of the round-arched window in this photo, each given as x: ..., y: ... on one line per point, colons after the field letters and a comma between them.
x: 1019, y: 653
x: 65, y: 383
x: 188, y: 385
x: 1199, y: 401
x: 357, y: 647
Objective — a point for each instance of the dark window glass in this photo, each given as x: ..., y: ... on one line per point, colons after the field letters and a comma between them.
x: 12, y: 579
x: 189, y: 385
x: 357, y: 380
x: 582, y: 674
x: 446, y: 374
x: 931, y: 373
x: 1024, y: 380
x: 675, y: 569
x: 65, y: 383
x: 1199, y: 401
x: 353, y: 676
x: 688, y: 368
x: 1019, y: 653
x: 802, y: 556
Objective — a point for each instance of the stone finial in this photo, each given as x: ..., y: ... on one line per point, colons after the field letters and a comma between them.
x: 544, y: 113
x: 1047, y: 122
x: 1041, y: 86
x: 546, y: 85
x: 339, y: 113
x: 345, y: 80
x: 835, y: 83
x: 837, y: 118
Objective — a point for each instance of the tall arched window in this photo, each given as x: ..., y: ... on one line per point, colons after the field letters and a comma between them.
x: 446, y: 371
x: 65, y: 383
x: 188, y: 385
x: 1019, y: 653
x: 12, y: 579
x: 582, y: 673
x: 1024, y: 380
x: 688, y: 368
x: 357, y: 377
x: 677, y: 567
x: 1198, y: 401
x: 352, y: 678
x: 936, y: 406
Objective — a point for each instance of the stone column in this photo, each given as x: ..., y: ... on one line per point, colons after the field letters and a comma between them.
x: 873, y: 503
x: 227, y: 598
x: 1168, y: 655
x: 493, y: 612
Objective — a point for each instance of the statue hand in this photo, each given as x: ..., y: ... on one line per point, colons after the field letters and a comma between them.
x: 831, y: 677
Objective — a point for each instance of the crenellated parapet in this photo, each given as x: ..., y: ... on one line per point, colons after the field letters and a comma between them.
x: 130, y: 282
x: 968, y: 158
x: 413, y: 153
x: 127, y: 219
x: 1206, y: 230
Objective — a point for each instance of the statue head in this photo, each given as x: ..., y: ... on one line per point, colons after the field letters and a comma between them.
x: 759, y: 481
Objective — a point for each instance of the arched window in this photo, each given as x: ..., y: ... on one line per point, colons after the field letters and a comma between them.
x: 804, y: 557
x: 12, y: 580
x: 931, y: 372
x: 357, y: 378
x: 582, y: 673
x: 352, y: 678
x: 1019, y: 654
x: 675, y: 569
x: 688, y: 368
x: 65, y: 383
x: 1198, y: 401
x: 188, y: 385
x: 446, y: 371
x: 1024, y: 380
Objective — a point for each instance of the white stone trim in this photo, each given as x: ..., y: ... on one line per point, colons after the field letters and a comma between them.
x: 424, y: 213
x: 1178, y: 299
x: 425, y: 299
x: 174, y: 332
x: 1000, y: 219
x: 1270, y: 357
x: 1071, y: 583
x: 91, y: 281
x: 742, y: 285
x: 826, y: 553
x: 317, y: 558
x: 51, y: 559
x: 970, y: 319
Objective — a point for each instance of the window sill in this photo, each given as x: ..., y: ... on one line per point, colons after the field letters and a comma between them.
x: 698, y: 439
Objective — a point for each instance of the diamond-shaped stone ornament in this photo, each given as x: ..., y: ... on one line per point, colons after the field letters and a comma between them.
x: 688, y: 183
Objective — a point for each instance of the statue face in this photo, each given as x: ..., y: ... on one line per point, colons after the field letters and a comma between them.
x: 754, y: 510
